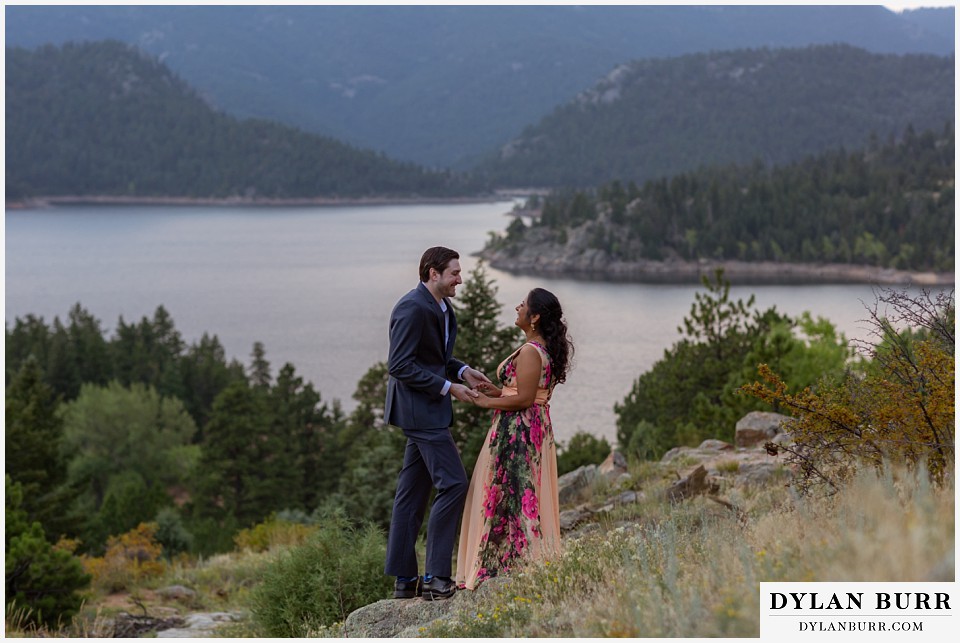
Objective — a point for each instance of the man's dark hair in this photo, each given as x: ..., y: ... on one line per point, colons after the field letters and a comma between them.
x: 437, y: 258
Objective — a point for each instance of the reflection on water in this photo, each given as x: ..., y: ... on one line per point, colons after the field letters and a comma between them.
x: 316, y: 286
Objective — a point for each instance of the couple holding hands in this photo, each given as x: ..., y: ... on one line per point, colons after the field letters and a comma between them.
x: 510, y: 508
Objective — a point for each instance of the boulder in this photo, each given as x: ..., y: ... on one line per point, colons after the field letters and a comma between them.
x: 715, y: 445
x: 695, y: 483
x: 388, y: 617
x: 409, y: 618
x: 177, y: 593
x: 614, y: 466
x: 752, y: 473
x: 589, y: 528
x: 758, y: 427
x: 569, y: 485
x: 627, y: 497
x: 200, y: 625
x: 572, y: 517
x: 677, y: 452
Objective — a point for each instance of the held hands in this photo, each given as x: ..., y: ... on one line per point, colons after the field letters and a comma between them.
x: 489, y: 389
x: 474, y: 378
x: 479, y: 389
x: 462, y: 393
x: 483, y: 401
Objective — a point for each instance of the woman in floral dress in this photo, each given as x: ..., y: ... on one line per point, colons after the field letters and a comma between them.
x: 512, y: 510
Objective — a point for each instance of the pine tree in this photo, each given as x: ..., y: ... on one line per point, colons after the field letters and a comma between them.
x: 205, y: 374
x: 371, y: 454
x: 259, y: 367
x: 235, y: 479
x: 308, y: 438
x: 42, y: 579
x: 89, y: 347
x: 32, y: 439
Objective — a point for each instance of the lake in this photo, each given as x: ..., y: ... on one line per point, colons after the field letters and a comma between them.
x: 316, y: 285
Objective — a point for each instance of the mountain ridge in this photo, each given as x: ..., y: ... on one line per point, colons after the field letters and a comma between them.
x: 107, y: 119
x: 439, y: 85
x: 659, y: 117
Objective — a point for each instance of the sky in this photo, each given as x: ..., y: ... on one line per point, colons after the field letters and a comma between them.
x: 900, y: 5
x: 895, y: 5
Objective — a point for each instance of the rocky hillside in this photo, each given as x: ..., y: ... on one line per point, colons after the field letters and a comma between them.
x: 593, y: 494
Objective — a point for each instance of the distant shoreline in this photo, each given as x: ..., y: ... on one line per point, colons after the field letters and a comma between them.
x: 52, y: 201
x: 691, y: 272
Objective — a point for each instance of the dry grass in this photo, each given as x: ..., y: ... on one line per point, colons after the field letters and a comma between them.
x: 693, y: 570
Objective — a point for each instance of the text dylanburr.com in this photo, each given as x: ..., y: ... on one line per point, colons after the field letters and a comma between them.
x: 858, y: 611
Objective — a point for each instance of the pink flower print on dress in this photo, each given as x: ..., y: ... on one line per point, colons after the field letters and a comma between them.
x: 530, y: 504
x: 520, y: 541
x: 536, y: 431
x: 490, y: 503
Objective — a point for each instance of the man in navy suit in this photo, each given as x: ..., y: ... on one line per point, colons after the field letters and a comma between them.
x: 424, y: 376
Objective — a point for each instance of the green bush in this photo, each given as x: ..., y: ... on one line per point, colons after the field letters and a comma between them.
x: 337, y: 570
x: 171, y: 533
x: 582, y: 449
x: 40, y: 578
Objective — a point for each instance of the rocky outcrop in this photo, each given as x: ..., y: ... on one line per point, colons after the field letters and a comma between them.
x: 409, y: 618
x: 693, y: 484
x: 571, y: 485
x: 614, y: 467
x: 757, y: 428
x: 540, y: 253
x: 704, y: 471
x: 199, y: 625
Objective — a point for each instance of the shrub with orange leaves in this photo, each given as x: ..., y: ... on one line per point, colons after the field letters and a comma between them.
x: 899, y: 409
x: 130, y: 558
x: 271, y: 533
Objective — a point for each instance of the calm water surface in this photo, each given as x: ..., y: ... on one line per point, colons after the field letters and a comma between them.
x: 316, y: 286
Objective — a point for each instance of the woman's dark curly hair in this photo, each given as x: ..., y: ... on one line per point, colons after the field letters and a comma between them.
x: 553, y: 328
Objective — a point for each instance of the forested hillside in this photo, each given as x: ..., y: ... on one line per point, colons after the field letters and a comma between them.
x: 442, y: 85
x: 654, y: 118
x: 891, y: 205
x: 106, y: 119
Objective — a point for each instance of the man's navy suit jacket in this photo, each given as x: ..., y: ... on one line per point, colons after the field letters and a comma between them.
x: 419, y: 364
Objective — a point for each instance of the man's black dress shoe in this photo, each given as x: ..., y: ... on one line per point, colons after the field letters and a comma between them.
x: 438, y: 589
x: 407, y: 589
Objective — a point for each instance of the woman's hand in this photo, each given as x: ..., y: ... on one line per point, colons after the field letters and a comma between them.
x: 482, y: 400
x: 489, y: 389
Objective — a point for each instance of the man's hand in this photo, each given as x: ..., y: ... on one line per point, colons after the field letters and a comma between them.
x: 473, y: 377
x: 483, y: 401
x: 463, y: 393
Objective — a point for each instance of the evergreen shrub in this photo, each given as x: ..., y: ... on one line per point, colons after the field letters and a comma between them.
x: 316, y: 584
x: 582, y: 449
x: 42, y: 582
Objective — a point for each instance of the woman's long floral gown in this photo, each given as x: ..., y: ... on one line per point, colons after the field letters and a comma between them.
x: 512, y: 509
